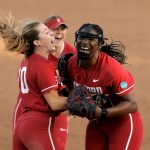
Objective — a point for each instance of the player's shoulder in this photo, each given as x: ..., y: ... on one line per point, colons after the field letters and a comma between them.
x: 109, y: 61
x: 38, y: 61
x: 37, y: 58
x: 111, y: 66
x: 112, y: 69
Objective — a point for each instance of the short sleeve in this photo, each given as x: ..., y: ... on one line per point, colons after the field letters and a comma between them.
x: 46, y: 77
x: 123, y: 82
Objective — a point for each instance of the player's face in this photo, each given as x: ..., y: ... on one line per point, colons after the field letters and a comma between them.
x: 60, y: 35
x: 86, y: 43
x: 46, y: 38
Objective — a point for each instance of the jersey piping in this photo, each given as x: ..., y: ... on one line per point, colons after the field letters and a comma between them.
x: 49, y: 88
x: 49, y: 132
x: 131, y: 131
x: 15, y: 113
x: 125, y: 89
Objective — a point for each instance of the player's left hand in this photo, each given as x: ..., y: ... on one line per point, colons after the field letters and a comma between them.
x: 81, y: 103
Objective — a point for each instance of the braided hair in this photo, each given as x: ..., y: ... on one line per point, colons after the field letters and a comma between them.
x: 21, y: 43
x: 115, y: 49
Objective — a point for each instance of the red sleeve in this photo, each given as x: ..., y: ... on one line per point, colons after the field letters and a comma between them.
x: 123, y: 82
x: 46, y: 77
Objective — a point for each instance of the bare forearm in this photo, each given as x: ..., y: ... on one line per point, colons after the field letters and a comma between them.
x: 116, y: 111
x: 55, y: 101
x: 59, y: 103
x: 122, y: 109
x: 127, y: 105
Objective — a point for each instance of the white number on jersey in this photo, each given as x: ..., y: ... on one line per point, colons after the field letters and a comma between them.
x: 22, y: 77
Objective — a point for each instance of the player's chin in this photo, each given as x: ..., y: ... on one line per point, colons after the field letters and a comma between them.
x: 52, y: 48
x: 60, y: 42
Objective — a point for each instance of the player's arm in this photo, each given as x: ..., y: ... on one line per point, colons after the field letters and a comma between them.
x: 81, y: 103
x: 55, y: 101
x: 122, y: 86
x: 126, y: 105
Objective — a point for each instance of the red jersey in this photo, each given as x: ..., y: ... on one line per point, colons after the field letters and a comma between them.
x: 36, y: 76
x: 107, y: 76
x: 67, y: 49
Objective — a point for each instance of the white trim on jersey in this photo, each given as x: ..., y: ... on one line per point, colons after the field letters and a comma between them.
x: 49, y: 88
x: 15, y: 113
x: 125, y: 90
x: 49, y: 132
x: 131, y: 131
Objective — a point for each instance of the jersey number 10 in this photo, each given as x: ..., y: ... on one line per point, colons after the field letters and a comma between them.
x: 22, y: 79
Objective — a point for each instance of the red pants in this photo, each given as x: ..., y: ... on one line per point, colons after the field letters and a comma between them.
x: 124, y: 133
x: 39, y: 131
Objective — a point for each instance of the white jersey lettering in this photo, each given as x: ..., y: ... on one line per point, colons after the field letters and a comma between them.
x: 92, y: 90
x: 22, y: 77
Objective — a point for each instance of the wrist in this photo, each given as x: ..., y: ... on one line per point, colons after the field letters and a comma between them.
x: 97, y: 112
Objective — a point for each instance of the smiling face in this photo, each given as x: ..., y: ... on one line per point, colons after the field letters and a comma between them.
x: 87, y: 42
x: 60, y: 35
x: 46, y: 38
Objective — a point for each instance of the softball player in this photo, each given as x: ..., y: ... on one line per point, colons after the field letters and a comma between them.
x: 119, y: 127
x: 38, y: 90
x: 59, y: 28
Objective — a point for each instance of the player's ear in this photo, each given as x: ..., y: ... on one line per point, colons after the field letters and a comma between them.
x: 36, y: 42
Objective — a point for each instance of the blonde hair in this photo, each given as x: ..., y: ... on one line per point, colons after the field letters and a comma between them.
x: 21, y: 43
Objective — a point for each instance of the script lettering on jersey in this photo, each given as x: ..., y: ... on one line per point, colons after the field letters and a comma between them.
x: 92, y: 90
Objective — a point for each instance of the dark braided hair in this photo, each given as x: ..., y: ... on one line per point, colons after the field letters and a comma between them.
x: 115, y: 49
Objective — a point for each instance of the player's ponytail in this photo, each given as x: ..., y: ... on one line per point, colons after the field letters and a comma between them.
x: 13, y: 41
x: 21, y: 43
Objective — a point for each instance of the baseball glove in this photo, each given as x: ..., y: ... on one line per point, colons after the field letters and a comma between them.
x: 81, y: 103
x: 102, y: 101
x: 63, y: 71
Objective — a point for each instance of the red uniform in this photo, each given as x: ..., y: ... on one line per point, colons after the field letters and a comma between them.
x: 60, y: 123
x: 35, y: 123
x: 108, y: 77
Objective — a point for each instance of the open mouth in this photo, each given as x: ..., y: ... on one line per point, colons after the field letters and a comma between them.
x: 84, y: 50
x: 58, y: 38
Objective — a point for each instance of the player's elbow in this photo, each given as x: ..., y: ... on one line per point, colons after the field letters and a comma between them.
x: 133, y: 106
